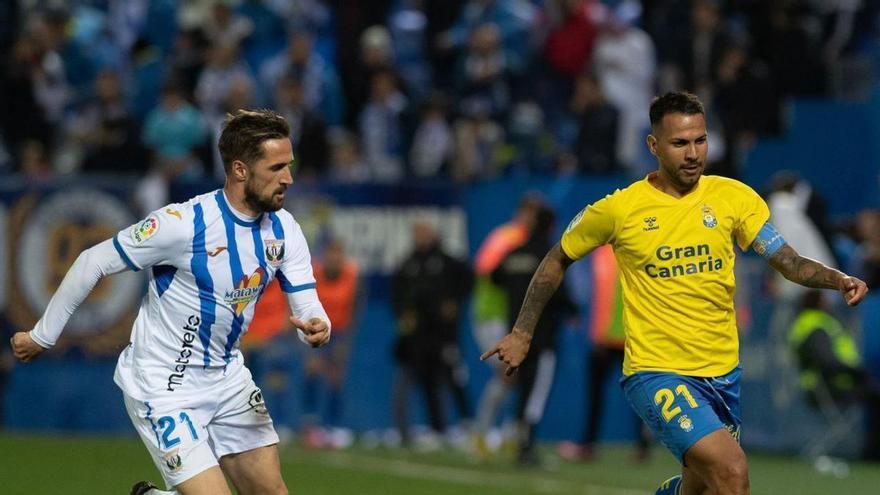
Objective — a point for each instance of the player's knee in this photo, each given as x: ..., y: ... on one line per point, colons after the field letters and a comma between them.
x: 277, y: 489
x: 733, y: 476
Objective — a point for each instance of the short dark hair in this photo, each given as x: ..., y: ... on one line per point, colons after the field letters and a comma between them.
x: 674, y: 102
x: 244, y: 132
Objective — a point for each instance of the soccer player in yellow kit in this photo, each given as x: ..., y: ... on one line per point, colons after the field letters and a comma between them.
x: 673, y: 236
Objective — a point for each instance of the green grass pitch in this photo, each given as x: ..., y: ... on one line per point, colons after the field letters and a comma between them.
x: 69, y: 465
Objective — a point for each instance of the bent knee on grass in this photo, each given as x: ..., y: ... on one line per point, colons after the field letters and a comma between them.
x: 716, y: 465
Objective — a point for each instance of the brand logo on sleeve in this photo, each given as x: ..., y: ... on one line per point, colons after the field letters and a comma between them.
x: 274, y: 252
x: 142, y: 231
x: 174, y: 213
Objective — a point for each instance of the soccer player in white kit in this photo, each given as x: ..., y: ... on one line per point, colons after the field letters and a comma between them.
x: 186, y: 389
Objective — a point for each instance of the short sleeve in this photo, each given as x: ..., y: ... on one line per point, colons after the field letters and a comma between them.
x: 752, y: 214
x: 157, y: 239
x: 594, y: 226
x: 295, y: 273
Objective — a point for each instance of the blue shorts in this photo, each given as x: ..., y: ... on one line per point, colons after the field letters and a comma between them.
x: 680, y: 409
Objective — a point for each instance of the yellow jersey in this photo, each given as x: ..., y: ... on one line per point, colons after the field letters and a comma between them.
x: 676, y: 261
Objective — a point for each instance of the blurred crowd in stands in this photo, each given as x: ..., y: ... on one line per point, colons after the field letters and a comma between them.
x: 386, y: 90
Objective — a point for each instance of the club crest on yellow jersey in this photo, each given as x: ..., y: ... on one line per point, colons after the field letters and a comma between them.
x: 709, y: 219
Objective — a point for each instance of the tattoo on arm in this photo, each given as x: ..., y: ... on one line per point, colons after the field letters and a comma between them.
x: 544, y: 283
x: 804, y: 271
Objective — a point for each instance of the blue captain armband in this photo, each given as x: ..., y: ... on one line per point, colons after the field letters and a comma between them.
x: 768, y: 241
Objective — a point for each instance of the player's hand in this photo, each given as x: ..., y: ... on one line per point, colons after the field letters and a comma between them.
x: 24, y: 348
x: 853, y: 290
x: 315, y: 330
x: 512, y: 350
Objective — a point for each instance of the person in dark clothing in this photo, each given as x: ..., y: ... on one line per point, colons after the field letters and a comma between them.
x: 596, y: 145
x: 428, y: 291
x: 513, y: 275
x: 828, y: 355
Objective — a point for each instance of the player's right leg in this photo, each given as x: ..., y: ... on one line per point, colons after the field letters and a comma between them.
x: 694, y: 418
x: 715, y: 464
x: 178, y: 444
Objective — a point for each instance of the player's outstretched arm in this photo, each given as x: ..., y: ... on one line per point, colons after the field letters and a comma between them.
x: 811, y: 273
x: 512, y: 349
x: 89, y: 268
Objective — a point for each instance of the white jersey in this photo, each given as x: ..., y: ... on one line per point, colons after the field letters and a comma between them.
x: 207, y: 265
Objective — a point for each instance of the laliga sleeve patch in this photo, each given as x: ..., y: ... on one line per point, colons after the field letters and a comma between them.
x: 574, y: 221
x: 140, y: 232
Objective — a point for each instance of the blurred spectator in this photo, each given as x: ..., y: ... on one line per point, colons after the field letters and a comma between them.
x: 225, y: 69
x: 428, y: 290
x: 788, y: 203
x: 746, y: 103
x: 224, y: 26
x: 147, y: 74
x: 513, y: 20
x: 792, y: 54
x: 868, y: 227
x: 604, y: 355
x: 381, y: 129
x: 75, y: 66
x: 573, y: 32
x: 301, y: 14
x: 106, y: 132
x: 828, y: 357
x: 187, y: 59
x: 352, y: 19
x: 707, y: 42
x: 34, y: 162
x: 408, y: 26
x: 321, y: 87
x: 624, y: 63
x: 596, y: 145
x: 346, y: 164
x: 490, y: 310
x: 536, y: 373
x: 336, y: 275
x: 174, y: 132
x: 376, y: 56
x: 478, y: 140
x: 432, y: 144
x: 483, y: 70
x: 440, y: 16
x: 307, y: 130
x: 23, y: 117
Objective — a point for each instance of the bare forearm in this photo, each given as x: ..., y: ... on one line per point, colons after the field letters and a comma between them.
x: 805, y: 271
x: 544, y: 284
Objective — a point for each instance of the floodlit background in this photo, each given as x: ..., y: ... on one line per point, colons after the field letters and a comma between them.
x: 444, y: 111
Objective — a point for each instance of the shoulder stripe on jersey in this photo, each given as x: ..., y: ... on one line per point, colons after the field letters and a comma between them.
x: 124, y: 256
x: 204, y: 282
x: 227, y: 213
x: 238, y: 277
x: 163, y: 275
x: 152, y: 423
x: 277, y: 228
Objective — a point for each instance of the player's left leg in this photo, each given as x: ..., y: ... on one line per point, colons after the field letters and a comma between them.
x: 715, y: 464
x: 245, y: 441
x: 255, y: 472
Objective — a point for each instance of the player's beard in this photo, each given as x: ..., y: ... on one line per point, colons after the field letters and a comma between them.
x: 262, y: 203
